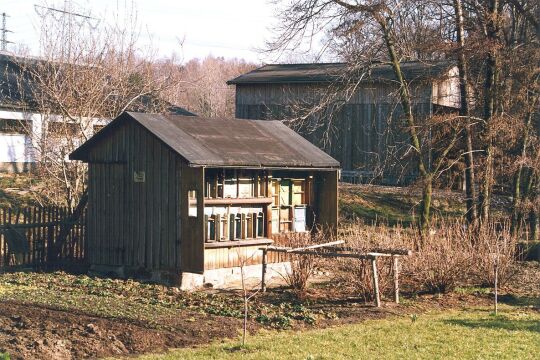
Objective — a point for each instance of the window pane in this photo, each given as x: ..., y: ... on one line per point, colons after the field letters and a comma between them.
x: 245, y: 187
x: 284, y: 193
x: 192, y: 201
x: 230, y: 190
x: 12, y: 126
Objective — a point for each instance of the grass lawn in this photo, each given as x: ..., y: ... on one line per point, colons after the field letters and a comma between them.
x: 394, y: 205
x: 474, y: 334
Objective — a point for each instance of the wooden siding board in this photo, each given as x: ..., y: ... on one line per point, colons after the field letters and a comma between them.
x: 192, y: 242
x: 229, y: 257
x: 326, y: 206
x: 372, y: 105
x: 120, y: 230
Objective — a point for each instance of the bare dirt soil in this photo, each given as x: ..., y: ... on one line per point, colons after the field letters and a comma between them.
x: 33, y: 330
x: 29, y: 331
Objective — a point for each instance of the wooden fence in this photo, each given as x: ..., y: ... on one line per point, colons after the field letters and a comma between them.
x: 28, y: 237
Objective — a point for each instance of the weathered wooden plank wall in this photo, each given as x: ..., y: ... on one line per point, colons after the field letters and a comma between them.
x: 227, y: 257
x: 366, y: 133
x: 133, y: 208
x: 326, y: 203
x: 192, y: 227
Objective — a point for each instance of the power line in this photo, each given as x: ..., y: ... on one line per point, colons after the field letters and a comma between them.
x: 43, y: 11
x: 4, y: 31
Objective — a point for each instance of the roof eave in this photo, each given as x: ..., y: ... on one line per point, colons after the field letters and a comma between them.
x: 268, y: 167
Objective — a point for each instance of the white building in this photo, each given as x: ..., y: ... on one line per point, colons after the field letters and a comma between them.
x: 21, y: 124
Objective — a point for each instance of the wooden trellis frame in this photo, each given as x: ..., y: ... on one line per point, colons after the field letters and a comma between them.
x: 331, y: 250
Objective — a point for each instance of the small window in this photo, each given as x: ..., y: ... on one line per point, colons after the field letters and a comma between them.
x: 63, y: 129
x: 12, y: 126
x: 298, y: 192
x: 192, y: 201
x: 245, y: 187
x: 230, y: 189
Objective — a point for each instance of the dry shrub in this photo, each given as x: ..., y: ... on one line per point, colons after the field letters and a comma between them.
x: 495, y: 243
x: 452, y: 254
x: 302, y: 267
x: 444, y: 259
x: 356, y: 275
x: 457, y: 254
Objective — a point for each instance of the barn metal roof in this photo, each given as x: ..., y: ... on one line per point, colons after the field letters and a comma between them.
x: 224, y: 142
x: 328, y: 72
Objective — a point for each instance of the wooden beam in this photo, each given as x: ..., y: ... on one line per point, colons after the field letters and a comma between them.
x: 236, y: 201
x: 316, y: 246
x: 382, y: 251
x: 321, y: 254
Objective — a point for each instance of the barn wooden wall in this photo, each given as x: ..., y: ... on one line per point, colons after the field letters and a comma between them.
x: 134, y: 223
x: 326, y: 201
x: 192, y: 228
x: 365, y: 133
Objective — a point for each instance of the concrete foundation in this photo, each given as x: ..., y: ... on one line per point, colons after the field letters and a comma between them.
x: 216, y: 278
x: 232, y: 277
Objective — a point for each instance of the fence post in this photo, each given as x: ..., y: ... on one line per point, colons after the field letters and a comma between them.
x: 263, y: 276
x: 50, y: 244
x: 375, y: 282
x: 395, y: 269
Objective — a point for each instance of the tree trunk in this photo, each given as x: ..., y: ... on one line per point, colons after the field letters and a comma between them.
x: 516, y: 203
x: 464, y: 111
x: 66, y: 227
x: 530, y: 192
x: 244, y: 327
x: 426, y: 203
x: 490, y: 97
x: 534, y: 225
x: 406, y: 105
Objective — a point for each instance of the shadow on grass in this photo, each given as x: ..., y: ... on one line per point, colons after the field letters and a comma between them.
x: 241, y: 349
x: 500, y: 322
x: 513, y: 300
x: 392, y: 209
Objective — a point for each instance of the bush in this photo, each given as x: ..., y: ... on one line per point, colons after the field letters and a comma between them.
x: 495, y: 243
x: 450, y: 255
x: 302, y: 267
x: 444, y: 260
x: 458, y: 254
x: 357, y: 275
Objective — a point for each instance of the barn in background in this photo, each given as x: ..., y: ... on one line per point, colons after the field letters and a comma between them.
x: 183, y: 198
x: 357, y: 117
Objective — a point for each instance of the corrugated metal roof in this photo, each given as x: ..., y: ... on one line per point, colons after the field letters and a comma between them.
x: 329, y: 72
x: 224, y: 142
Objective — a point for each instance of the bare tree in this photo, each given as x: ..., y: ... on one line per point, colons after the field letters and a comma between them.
x: 82, y: 78
x: 248, y: 292
x: 372, y: 29
x: 465, y: 99
x: 201, y: 85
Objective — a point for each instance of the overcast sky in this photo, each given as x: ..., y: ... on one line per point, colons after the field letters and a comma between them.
x: 229, y: 28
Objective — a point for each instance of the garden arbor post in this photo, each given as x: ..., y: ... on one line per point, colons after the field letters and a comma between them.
x: 375, y: 282
x: 395, y: 270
